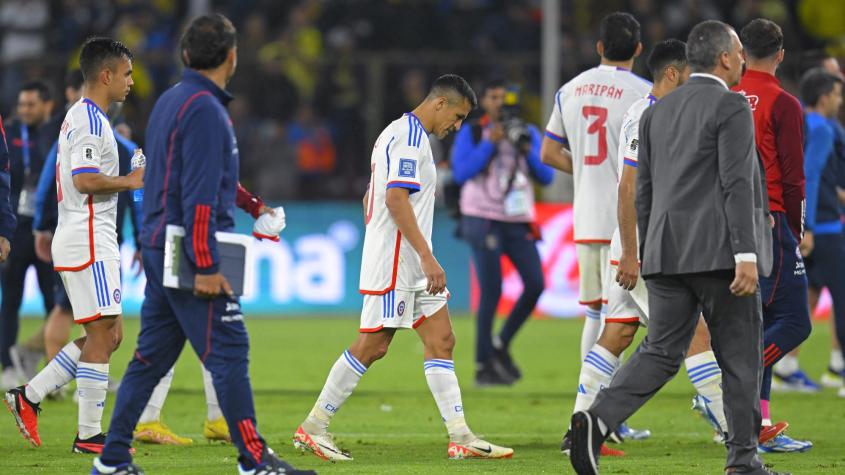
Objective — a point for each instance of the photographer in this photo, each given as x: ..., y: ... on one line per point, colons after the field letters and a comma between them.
x: 495, y: 160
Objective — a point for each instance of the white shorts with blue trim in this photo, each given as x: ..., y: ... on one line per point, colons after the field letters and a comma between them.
x: 399, y: 309
x: 94, y: 291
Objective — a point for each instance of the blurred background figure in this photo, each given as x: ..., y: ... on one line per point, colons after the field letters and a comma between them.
x: 496, y: 159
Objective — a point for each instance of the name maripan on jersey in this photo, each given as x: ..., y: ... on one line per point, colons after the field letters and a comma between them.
x: 601, y: 90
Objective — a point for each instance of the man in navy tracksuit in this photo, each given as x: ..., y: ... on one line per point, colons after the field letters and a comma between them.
x: 191, y: 180
x: 8, y: 221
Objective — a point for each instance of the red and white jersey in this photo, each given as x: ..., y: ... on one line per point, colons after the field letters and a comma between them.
x: 401, y: 158
x: 587, y: 115
x: 87, y: 229
x: 629, y: 141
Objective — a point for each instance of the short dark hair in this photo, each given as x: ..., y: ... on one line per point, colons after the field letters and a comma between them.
x: 761, y: 38
x: 97, y: 51
x: 455, y: 84
x: 495, y: 82
x: 43, y: 90
x: 619, y: 32
x: 207, y: 41
x: 706, y: 42
x: 816, y: 83
x: 74, y: 79
x: 667, y: 53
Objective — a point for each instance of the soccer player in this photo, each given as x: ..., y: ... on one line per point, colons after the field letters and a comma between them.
x: 627, y: 295
x: 84, y: 249
x: 587, y: 117
x: 779, y: 130
x: 192, y: 181
x: 402, y: 282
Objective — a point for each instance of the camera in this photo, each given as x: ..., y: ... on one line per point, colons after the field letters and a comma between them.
x: 516, y: 129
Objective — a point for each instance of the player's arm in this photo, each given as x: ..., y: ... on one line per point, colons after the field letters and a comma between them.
x: 541, y: 172
x: 788, y: 127
x: 85, y: 156
x: 819, y: 148
x: 366, y: 200
x: 629, y: 267
x: 45, y: 204
x: 470, y: 158
x: 553, y: 150
x: 8, y: 222
x: 399, y: 204
x: 643, y: 185
x: 251, y: 203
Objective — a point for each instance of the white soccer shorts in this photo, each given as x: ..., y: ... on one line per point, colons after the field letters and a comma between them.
x: 625, y: 306
x: 399, y: 309
x: 592, y: 271
x: 94, y: 291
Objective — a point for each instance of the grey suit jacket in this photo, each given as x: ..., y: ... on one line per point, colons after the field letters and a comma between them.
x: 701, y: 192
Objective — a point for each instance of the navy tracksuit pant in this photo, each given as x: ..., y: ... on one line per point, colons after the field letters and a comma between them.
x: 786, y: 316
x: 216, y: 331
x: 826, y: 268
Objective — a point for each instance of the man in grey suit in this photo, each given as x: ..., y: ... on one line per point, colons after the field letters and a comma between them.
x: 703, y: 219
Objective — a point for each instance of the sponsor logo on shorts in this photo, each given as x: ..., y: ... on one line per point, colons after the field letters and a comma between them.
x: 116, y: 295
x: 401, y: 308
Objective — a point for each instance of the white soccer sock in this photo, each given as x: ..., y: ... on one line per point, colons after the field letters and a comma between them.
x: 443, y: 383
x: 597, y: 370
x: 343, y: 377
x: 58, y: 372
x: 214, y: 411
x: 92, y: 382
x: 152, y: 412
x: 787, y: 365
x: 705, y: 375
x: 836, y: 362
x: 590, y: 333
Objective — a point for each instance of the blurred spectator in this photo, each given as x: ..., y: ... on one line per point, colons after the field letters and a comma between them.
x: 315, y: 153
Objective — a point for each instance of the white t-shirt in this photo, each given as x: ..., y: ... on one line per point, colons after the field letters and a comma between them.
x: 87, y: 229
x: 588, y: 114
x: 401, y: 158
x: 629, y: 145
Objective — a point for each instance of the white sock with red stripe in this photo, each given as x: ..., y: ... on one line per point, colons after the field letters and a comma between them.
x: 597, y: 370
x: 590, y: 333
x: 443, y: 383
x: 152, y: 412
x: 213, y: 412
x: 58, y: 372
x: 343, y: 377
x: 704, y: 373
x: 92, y: 382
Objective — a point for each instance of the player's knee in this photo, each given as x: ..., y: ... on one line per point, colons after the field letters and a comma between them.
x: 117, y: 339
x: 617, y: 337
x: 442, y: 345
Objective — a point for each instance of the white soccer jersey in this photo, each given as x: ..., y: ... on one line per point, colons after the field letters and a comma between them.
x: 587, y: 114
x: 87, y: 229
x: 401, y: 158
x: 629, y: 144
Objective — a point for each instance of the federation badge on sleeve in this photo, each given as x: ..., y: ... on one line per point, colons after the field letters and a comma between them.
x: 407, y: 167
x: 89, y: 154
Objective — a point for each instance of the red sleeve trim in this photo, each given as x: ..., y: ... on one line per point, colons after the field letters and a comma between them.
x: 200, y: 236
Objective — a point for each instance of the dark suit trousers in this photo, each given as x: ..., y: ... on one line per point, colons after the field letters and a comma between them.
x: 736, y: 332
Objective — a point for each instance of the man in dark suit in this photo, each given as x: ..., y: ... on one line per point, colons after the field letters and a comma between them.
x: 704, y: 225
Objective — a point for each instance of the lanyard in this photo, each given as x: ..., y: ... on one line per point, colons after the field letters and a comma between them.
x: 25, y: 146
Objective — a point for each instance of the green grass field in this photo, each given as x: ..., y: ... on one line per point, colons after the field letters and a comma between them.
x: 391, y: 424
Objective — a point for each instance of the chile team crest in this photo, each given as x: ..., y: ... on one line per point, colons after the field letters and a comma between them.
x: 116, y: 295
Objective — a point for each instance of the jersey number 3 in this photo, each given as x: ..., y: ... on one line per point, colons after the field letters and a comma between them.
x: 599, y: 118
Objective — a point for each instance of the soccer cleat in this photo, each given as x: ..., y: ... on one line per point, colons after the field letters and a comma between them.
x: 271, y: 465
x: 841, y: 392
x: 502, y: 359
x: 489, y: 374
x: 699, y: 405
x: 157, y: 433
x: 605, y: 451
x: 478, y: 449
x: 321, y: 445
x: 9, y: 379
x: 831, y: 379
x: 587, y: 440
x: 123, y: 469
x: 26, y: 414
x: 795, y: 382
x: 623, y: 433
x: 25, y: 361
x: 91, y: 445
x: 768, y: 433
x: 784, y: 444
x: 216, y: 430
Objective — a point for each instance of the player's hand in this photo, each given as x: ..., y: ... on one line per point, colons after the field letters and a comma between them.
x: 628, y: 271
x: 43, y: 242
x: 807, y: 244
x: 266, y: 210
x: 745, y: 282
x: 136, y: 179
x: 211, y: 285
x: 434, y: 274
x: 497, y: 132
x: 137, y: 260
x: 5, y: 249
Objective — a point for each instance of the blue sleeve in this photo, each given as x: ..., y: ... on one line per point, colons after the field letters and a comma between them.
x: 135, y: 207
x: 8, y: 221
x: 204, y: 138
x: 818, y: 149
x: 543, y: 173
x: 46, y: 181
x: 468, y: 158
